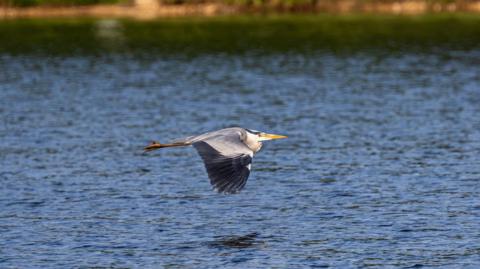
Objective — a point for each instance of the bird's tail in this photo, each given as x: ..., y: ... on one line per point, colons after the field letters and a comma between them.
x: 156, y: 145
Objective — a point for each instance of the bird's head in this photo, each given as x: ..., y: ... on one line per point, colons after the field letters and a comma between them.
x: 261, y: 136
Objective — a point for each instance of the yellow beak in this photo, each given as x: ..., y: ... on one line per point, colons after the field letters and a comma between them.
x: 273, y: 136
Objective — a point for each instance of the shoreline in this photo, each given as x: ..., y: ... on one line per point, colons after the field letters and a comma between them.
x: 152, y: 10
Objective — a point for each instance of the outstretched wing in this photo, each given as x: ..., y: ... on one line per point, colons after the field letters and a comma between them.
x: 227, y: 161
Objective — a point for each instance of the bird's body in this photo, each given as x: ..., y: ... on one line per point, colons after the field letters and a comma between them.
x: 226, y: 153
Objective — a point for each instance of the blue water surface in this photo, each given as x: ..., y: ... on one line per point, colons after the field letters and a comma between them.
x: 381, y: 168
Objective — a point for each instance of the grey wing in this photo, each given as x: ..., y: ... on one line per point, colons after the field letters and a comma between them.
x: 227, y: 162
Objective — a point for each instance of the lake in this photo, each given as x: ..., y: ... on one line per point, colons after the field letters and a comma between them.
x: 381, y: 168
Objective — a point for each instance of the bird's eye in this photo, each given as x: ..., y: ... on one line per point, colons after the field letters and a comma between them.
x: 253, y: 131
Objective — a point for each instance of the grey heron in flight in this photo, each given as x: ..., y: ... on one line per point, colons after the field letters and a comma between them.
x: 226, y: 153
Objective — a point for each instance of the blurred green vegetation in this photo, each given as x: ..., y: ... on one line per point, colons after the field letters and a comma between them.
x: 26, y: 3
x: 307, y: 4
x: 242, y: 34
x: 247, y: 2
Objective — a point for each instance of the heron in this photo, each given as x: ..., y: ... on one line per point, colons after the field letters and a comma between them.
x: 227, y: 154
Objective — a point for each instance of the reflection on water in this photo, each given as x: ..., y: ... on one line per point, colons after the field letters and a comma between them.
x: 110, y: 33
x: 233, y: 35
x: 244, y: 241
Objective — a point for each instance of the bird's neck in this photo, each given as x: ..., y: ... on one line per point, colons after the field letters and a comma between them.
x: 252, y: 142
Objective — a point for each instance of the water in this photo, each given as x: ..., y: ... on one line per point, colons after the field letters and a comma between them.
x: 381, y: 167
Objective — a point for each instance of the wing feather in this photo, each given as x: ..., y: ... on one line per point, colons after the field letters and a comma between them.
x: 227, y: 173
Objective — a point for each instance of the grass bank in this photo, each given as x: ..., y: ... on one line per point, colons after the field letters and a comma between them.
x: 150, y: 9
